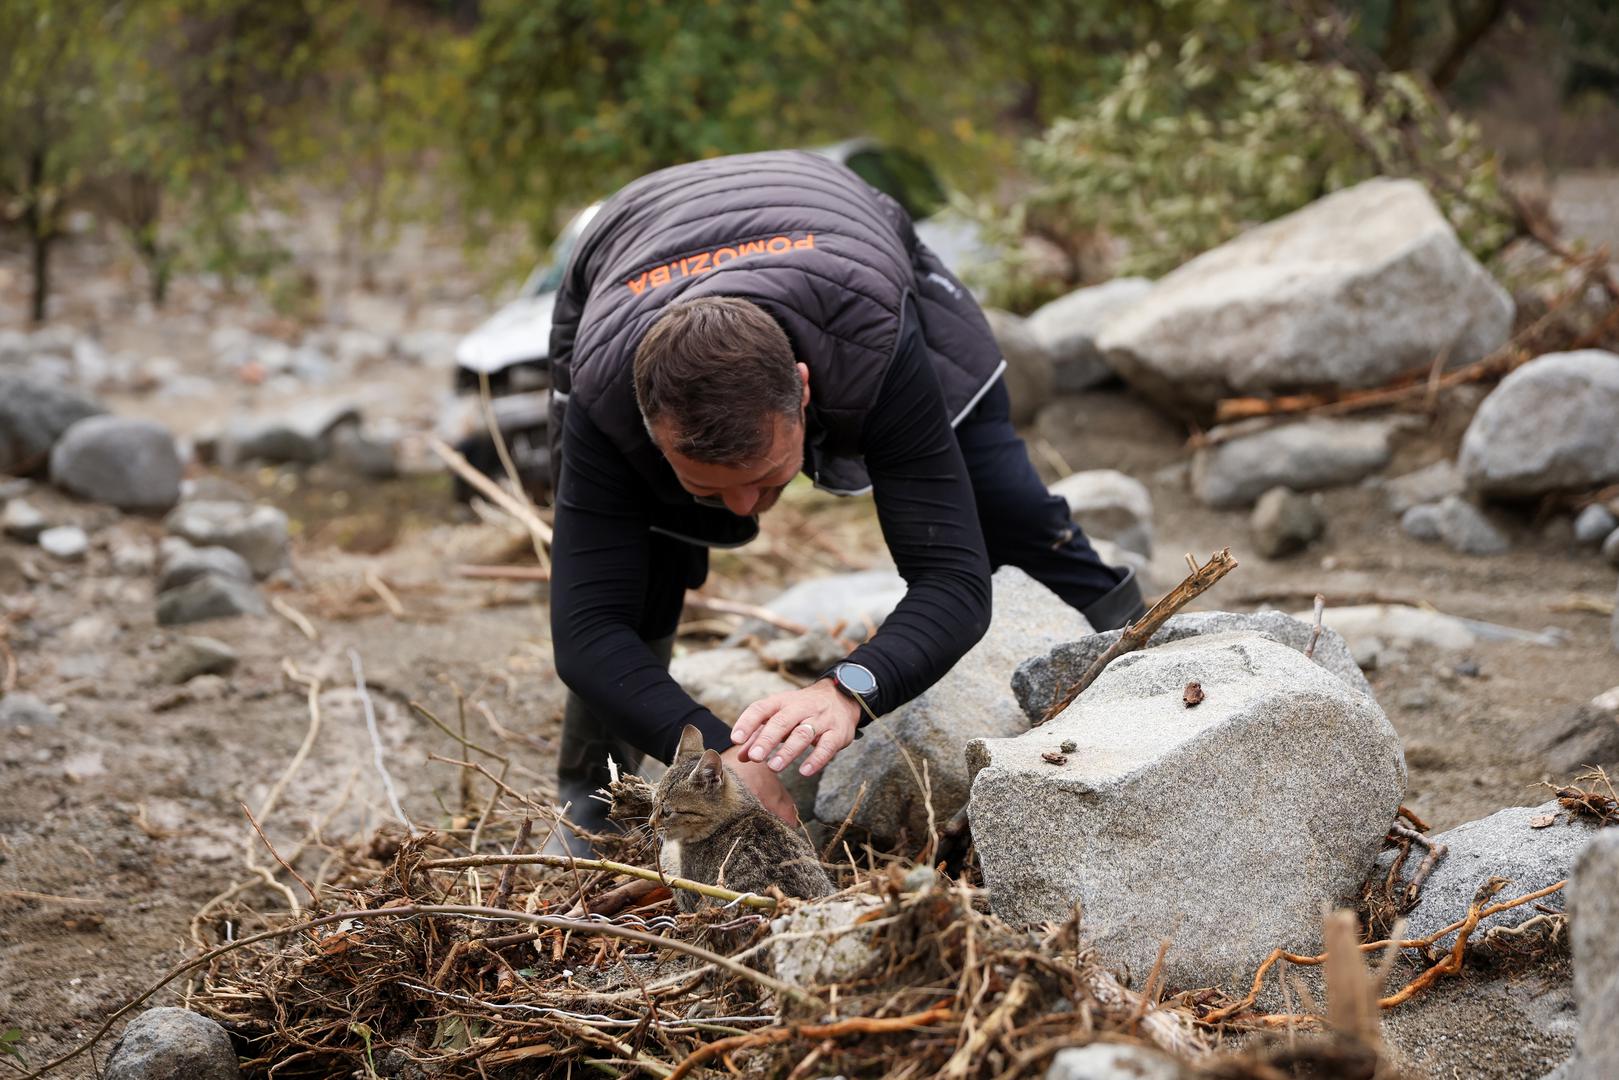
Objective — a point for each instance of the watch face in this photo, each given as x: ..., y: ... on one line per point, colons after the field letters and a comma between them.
x: 856, y: 679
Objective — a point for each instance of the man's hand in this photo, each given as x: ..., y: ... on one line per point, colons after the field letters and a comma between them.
x: 780, y: 727
x: 764, y: 783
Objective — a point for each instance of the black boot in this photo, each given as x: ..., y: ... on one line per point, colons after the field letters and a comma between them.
x: 582, y: 768
x: 1119, y: 607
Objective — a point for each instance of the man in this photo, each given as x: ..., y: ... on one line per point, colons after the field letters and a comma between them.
x: 722, y: 327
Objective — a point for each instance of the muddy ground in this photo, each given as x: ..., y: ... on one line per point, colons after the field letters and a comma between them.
x: 124, y: 817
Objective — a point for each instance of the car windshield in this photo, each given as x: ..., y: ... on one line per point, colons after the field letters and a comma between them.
x: 902, y: 176
x: 547, y: 277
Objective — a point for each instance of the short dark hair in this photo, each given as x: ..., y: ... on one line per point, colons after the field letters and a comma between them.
x: 716, y: 368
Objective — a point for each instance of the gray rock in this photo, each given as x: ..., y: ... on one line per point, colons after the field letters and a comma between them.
x: 1610, y: 548
x: 726, y: 681
x: 1303, y: 456
x: 172, y: 1044
x: 1402, y: 625
x: 1175, y: 822
x: 1585, y: 736
x: 208, y: 597
x: 833, y: 948
x: 1594, y: 918
x: 1350, y: 291
x: 66, y: 542
x: 1594, y: 524
x: 21, y: 521
x: 1109, y: 505
x: 370, y: 451
x: 1068, y: 326
x: 194, y: 656
x: 811, y: 653
x: 1457, y: 524
x: 33, y: 415
x: 1040, y: 680
x: 301, y: 435
x: 1505, y: 844
x: 24, y: 710
x: 256, y: 533
x: 1284, y: 521
x: 183, y: 563
x: 847, y: 600
x: 1549, y: 426
x: 1426, y: 485
x: 973, y: 701
x: 132, y: 556
x: 124, y: 462
x: 1614, y: 631
x: 1029, y: 372
x: 1114, y: 1061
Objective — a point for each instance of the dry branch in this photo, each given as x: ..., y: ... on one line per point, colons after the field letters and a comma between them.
x: 858, y: 1025
x: 522, y: 511
x: 1138, y: 633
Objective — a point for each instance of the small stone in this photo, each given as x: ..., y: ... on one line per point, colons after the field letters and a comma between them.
x: 1069, y: 746
x: 1468, y: 669
x: 1303, y: 456
x: 172, y: 1044
x: 66, y: 542
x: 132, y: 556
x: 1193, y: 695
x: 1610, y: 548
x: 1284, y: 521
x: 207, y: 688
x: 1457, y: 523
x: 811, y: 653
x: 208, y: 597
x: 1594, y: 524
x: 183, y: 563
x: 1112, y: 1061
x: 120, y: 461
x: 837, y: 950
x: 24, y: 710
x: 1425, y: 485
x: 258, y: 534
x: 193, y: 656
x: 22, y: 522
x: 1548, y: 426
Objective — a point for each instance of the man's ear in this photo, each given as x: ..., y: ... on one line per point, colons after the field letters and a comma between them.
x: 803, y: 377
x: 691, y: 742
x: 709, y: 771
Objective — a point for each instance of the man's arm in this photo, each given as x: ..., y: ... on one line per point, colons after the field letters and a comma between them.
x: 930, y: 523
x: 599, y: 585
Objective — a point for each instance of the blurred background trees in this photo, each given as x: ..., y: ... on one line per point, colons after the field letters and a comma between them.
x: 1119, y: 135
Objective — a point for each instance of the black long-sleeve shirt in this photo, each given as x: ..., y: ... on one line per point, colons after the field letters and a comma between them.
x: 925, y: 508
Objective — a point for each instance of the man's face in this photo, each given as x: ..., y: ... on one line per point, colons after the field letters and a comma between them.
x: 747, y: 489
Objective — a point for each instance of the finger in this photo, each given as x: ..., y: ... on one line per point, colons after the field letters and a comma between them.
x: 798, y: 740
x: 827, y: 747
x: 775, y: 730
x: 752, y: 717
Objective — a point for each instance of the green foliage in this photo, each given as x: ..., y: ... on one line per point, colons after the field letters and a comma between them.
x: 9, y: 1038
x: 1195, y: 145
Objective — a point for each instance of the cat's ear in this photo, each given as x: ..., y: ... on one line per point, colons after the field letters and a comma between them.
x: 709, y: 770
x: 691, y: 742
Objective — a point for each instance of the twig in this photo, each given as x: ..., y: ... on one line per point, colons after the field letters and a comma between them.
x: 51, y: 898
x: 406, y: 911
x: 1138, y: 633
x: 502, y: 573
x: 376, y: 742
x: 1435, y: 852
x: 517, y: 508
x: 750, y: 611
x: 1411, y: 816
x: 374, y: 582
x: 858, y: 1025
x: 1315, y: 634
x: 295, y: 617
x: 314, y: 902
x: 568, y: 862
x: 499, y: 438
x: 961, y: 1063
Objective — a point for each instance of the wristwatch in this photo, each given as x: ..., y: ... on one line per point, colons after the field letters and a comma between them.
x: 857, y: 681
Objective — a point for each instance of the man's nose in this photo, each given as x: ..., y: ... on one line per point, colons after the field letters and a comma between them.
x: 741, y: 501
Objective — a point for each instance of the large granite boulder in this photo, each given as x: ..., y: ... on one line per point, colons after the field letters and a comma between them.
x: 1594, y: 911
x: 1516, y: 843
x: 1223, y: 827
x: 1352, y: 290
x: 1039, y: 681
x: 1110, y: 505
x: 33, y: 415
x: 973, y: 701
x: 121, y: 461
x: 1548, y: 427
x: 1029, y: 374
x: 1304, y: 456
x: 1068, y: 328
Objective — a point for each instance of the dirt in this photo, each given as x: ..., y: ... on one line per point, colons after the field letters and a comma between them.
x: 121, y: 819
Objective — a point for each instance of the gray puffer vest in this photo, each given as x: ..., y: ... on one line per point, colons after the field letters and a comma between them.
x: 835, y: 263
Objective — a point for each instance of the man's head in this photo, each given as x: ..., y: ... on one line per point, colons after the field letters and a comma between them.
x: 724, y: 401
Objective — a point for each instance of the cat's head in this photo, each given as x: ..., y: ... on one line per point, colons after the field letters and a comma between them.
x: 698, y: 793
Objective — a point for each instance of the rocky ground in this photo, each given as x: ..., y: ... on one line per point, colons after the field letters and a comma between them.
x: 122, y: 785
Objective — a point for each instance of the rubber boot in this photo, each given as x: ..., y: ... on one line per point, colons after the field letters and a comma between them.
x: 1118, y: 607
x: 582, y: 768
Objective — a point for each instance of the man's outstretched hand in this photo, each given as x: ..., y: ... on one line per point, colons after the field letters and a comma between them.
x: 776, y: 729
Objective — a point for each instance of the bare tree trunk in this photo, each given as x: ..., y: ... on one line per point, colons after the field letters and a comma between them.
x: 1397, y: 40
x: 39, y: 234
x: 1471, y: 27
